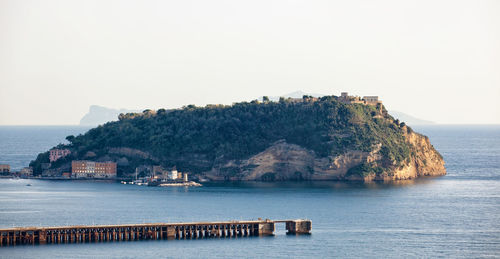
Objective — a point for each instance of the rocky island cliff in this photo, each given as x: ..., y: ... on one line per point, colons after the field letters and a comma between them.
x: 310, y: 138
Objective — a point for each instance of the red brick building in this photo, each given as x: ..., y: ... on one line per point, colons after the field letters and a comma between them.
x: 90, y: 169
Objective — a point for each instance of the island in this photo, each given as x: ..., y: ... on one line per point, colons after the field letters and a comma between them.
x: 310, y: 138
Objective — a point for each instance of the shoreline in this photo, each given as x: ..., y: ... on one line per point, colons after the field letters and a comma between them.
x: 118, y: 180
x: 187, y: 184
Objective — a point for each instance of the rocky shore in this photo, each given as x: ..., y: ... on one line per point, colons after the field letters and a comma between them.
x: 284, y: 161
x: 187, y: 184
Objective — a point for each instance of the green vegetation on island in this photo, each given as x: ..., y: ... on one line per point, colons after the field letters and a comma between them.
x: 196, y: 139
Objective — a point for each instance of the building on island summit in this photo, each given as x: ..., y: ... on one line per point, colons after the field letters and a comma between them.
x: 371, y: 100
x: 367, y: 100
x: 90, y: 169
x: 55, y: 154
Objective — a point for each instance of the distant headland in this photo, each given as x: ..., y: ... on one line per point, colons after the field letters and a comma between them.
x: 309, y: 138
x: 99, y: 115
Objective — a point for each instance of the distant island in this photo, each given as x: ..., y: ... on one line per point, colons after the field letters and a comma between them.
x: 309, y: 138
x: 408, y: 119
x: 99, y: 115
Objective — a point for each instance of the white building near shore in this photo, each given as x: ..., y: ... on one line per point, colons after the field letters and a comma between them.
x: 172, y: 175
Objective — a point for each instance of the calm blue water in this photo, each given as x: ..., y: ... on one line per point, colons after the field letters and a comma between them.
x: 20, y: 144
x: 457, y: 215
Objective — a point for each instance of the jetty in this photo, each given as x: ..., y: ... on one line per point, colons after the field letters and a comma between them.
x: 148, y: 231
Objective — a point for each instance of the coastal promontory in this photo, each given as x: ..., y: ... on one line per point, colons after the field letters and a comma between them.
x: 327, y: 138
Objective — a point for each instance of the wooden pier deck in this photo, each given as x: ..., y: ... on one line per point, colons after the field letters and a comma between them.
x: 149, y: 231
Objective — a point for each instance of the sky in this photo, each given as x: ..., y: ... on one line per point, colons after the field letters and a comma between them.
x: 437, y: 60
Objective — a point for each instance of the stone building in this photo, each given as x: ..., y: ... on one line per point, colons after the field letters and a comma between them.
x: 367, y: 100
x: 347, y: 99
x: 371, y: 100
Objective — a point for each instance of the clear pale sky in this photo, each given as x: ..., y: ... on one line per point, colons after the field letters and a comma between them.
x: 437, y: 60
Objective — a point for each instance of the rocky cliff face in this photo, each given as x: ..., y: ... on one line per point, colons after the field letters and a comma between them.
x: 284, y: 161
x: 425, y: 161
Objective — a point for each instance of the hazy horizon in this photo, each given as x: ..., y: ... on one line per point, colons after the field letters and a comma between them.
x: 430, y: 123
x: 434, y: 60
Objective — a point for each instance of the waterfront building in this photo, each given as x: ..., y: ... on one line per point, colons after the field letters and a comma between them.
x: 55, y: 154
x: 4, y: 169
x: 172, y: 175
x: 91, y: 169
x: 26, y: 172
x: 185, y: 177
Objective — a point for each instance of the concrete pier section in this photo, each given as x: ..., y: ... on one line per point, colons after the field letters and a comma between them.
x: 298, y: 226
x: 150, y: 231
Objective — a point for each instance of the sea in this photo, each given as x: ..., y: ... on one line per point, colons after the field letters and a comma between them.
x: 453, y: 216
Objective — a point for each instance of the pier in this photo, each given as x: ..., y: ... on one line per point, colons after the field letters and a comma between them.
x: 149, y: 231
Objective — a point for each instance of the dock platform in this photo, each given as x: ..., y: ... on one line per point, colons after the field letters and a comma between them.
x: 148, y: 231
